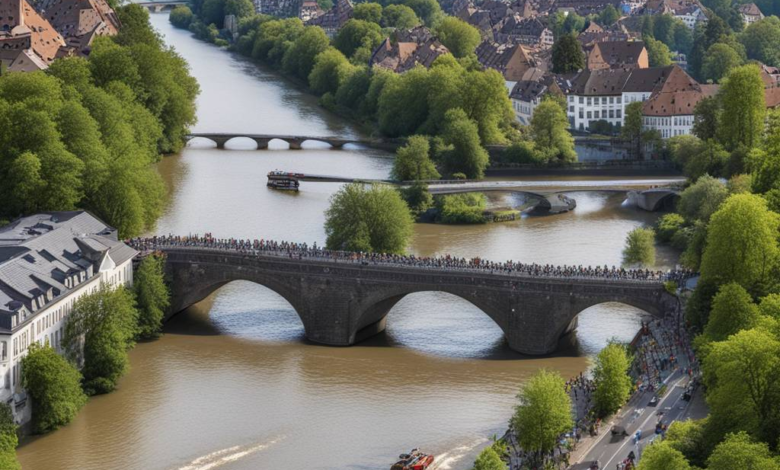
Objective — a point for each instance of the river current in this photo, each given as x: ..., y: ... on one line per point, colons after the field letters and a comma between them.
x: 233, y: 384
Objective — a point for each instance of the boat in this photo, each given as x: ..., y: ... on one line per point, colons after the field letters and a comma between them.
x: 414, y: 460
x: 289, y: 185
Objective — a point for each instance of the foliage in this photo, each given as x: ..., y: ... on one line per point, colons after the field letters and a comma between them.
x: 561, y: 24
x: 355, y: 34
x: 371, y: 12
x: 489, y: 459
x: 705, y: 118
x: 239, y: 8
x: 181, y: 16
x: 549, y: 130
x: 740, y: 451
x: 762, y: 41
x: 701, y: 199
x: 467, y: 208
x: 458, y: 36
x: 720, y: 60
x: 742, y: 98
x: 688, y: 437
x: 299, y: 59
x: 609, y: 15
x: 662, y: 456
x: 632, y: 125
x: 412, y: 161
x: 466, y: 155
x: 417, y: 197
x: 732, y: 311
x: 567, y: 55
x: 400, y: 17
x: 610, y: 374
x: 368, y: 218
x: 330, y: 69
x: 658, y: 53
x: 770, y: 306
x: 152, y: 296
x: 742, y: 243
x: 101, y: 330
x: 668, y: 225
x: 640, y: 247
x: 53, y: 384
x: 523, y: 152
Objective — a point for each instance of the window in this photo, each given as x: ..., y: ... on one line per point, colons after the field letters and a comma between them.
x: 581, y: 100
x: 611, y: 113
x: 590, y: 101
x: 581, y: 114
x: 571, y: 99
x: 611, y: 100
x: 596, y: 114
x: 590, y: 115
x: 619, y: 113
x: 571, y: 109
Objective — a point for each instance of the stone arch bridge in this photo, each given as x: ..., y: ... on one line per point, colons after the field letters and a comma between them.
x: 157, y: 7
x: 341, y: 303
x: 294, y: 141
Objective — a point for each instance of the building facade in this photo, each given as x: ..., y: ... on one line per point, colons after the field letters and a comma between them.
x: 47, y: 262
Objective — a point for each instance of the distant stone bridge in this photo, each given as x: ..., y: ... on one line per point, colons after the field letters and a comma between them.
x: 294, y: 141
x: 341, y: 303
x: 157, y: 7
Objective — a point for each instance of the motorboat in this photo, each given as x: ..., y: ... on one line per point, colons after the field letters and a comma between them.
x: 414, y: 460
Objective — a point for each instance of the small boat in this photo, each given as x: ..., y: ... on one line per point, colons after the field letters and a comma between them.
x: 414, y: 460
x: 284, y: 184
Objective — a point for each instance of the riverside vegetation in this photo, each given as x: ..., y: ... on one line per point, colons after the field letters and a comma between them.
x: 86, y: 132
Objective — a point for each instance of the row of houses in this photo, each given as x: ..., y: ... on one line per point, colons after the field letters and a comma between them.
x: 47, y: 262
x: 31, y: 38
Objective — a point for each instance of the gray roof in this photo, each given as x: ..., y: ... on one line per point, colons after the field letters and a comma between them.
x: 45, y: 256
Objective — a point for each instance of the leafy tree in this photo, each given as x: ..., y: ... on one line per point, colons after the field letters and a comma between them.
x: 429, y: 11
x: 663, y: 29
x: 658, y: 53
x: 181, y: 16
x: 662, y: 456
x: 417, y: 197
x: 640, y: 247
x: 152, y: 295
x: 356, y: 33
x: 354, y: 87
x: 239, y: 8
x: 740, y: 451
x: 466, y: 155
x: 742, y: 98
x: 371, y: 12
x: 701, y: 199
x: 412, y: 161
x: 770, y: 306
x: 400, y: 17
x: 632, y: 125
x: 609, y: 15
x: 549, y: 130
x: 403, y: 103
x: 683, y: 38
x: 688, y: 437
x: 100, y: 331
x: 668, y: 226
x: 732, y: 311
x: 705, y: 118
x: 567, y: 55
x: 613, y: 384
x: 213, y: 12
x: 330, y: 68
x: 488, y: 459
x: 369, y: 219
x: 299, y: 58
x: 543, y: 414
x: 561, y: 24
x: 135, y: 28
x: 8, y: 439
x: 720, y: 60
x: 762, y: 41
x: 465, y: 208
x: 54, y: 387
x: 742, y: 243
x: 458, y: 36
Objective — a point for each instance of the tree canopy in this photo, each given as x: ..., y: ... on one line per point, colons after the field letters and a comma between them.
x: 152, y: 296
x: 662, y: 456
x: 458, y: 36
x: 413, y: 162
x: 567, y: 55
x: 610, y: 374
x: 549, y: 131
x: 640, y: 247
x: 732, y: 311
x: 744, y: 109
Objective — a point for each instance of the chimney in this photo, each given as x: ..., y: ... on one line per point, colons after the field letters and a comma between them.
x: 20, y: 12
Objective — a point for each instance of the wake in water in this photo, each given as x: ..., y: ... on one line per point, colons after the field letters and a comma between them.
x: 229, y: 455
x: 446, y: 460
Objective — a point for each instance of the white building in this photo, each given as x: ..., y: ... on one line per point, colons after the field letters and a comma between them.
x: 47, y: 262
x: 670, y: 109
x: 750, y: 13
x: 690, y: 12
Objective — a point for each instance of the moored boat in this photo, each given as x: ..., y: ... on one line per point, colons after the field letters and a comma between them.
x: 414, y: 460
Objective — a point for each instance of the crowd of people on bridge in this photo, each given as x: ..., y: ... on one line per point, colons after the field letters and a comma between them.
x: 445, y: 262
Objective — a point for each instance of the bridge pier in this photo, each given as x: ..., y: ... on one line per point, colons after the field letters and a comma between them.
x: 261, y: 143
x: 295, y: 144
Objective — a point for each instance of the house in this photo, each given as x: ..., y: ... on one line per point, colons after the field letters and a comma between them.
x: 595, y: 33
x: 585, y: 7
x: 618, y: 54
x: 278, y: 8
x: 670, y: 108
x: 750, y: 13
x: 332, y: 20
x: 690, y: 12
x: 79, y: 22
x: 510, y: 60
x: 518, y: 30
x: 28, y: 41
x: 595, y: 95
x: 47, y: 262
x: 407, y: 49
x: 528, y: 93
x: 309, y: 10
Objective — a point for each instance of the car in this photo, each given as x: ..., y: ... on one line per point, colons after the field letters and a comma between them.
x: 619, y: 431
x: 653, y: 401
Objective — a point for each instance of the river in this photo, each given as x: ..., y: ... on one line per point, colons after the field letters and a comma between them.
x: 233, y: 384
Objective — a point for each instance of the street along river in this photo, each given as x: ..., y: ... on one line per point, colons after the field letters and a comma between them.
x: 233, y: 384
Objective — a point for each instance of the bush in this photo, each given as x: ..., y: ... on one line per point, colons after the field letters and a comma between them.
x: 523, y: 152
x: 640, y: 248
x: 668, y: 226
x: 466, y: 208
x: 181, y: 17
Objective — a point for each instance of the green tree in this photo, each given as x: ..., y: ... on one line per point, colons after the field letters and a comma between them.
x: 466, y: 155
x: 658, y: 53
x: 370, y: 219
x: 299, y: 58
x: 720, y: 60
x: 662, y: 456
x: 701, y: 199
x: 53, y: 384
x: 609, y: 15
x: 488, y: 459
x: 181, y: 16
x: 683, y: 38
x: 330, y: 68
x: 355, y: 34
x: 705, y: 118
x: 640, y: 247
x: 549, y: 130
x: 744, y: 110
x: 742, y: 244
x: 610, y: 374
x: 400, y: 17
x: 740, y: 451
x: 688, y: 437
x: 732, y: 311
x: 371, y: 12
x: 770, y: 306
x: 239, y: 8
x: 465, y: 208
x: 100, y: 331
x: 543, y: 414
x: 8, y: 439
x: 427, y: 10
x: 632, y: 126
x: 663, y: 29
x: 762, y: 41
x: 668, y: 226
x: 458, y: 36
x: 567, y: 55
x: 152, y: 295
x: 417, y: 197
x: 412, y: 161
x: 403, y: 103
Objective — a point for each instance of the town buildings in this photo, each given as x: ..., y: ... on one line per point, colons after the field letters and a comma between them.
x: 690, y: 12
x: 750, y: 13
x: 332, y: 20
x: 47, y: 262
x: 617, y: 54
x: 407, y: 49
x: 80, y: 21
x: 669, y: 110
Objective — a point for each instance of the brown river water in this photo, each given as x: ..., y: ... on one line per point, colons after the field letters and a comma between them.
x: 234, y: 385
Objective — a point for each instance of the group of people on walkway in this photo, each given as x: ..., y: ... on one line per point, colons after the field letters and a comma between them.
x: 302, y: 250
x: 662, y: 348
